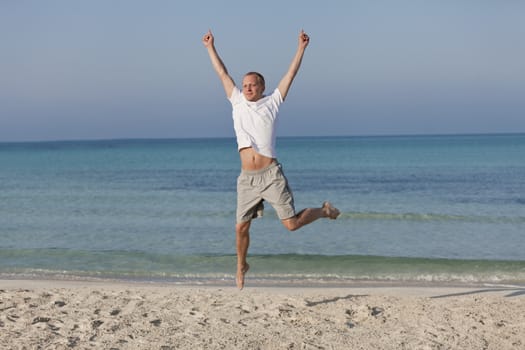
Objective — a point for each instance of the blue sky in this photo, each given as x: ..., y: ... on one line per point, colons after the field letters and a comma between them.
x: 137, y: 69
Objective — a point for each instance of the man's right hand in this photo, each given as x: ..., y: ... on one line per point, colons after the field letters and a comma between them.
x: 208, y: 39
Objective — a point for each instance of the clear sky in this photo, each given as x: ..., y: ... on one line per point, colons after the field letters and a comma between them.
x: 137, y: 69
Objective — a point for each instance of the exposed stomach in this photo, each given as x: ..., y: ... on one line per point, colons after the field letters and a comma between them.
x: 251, y: 160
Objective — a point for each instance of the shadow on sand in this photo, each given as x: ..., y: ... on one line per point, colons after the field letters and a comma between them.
x: 515, y: 291
x: 333, y: 300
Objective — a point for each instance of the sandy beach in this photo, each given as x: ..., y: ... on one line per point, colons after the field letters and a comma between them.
x: 115, y: 315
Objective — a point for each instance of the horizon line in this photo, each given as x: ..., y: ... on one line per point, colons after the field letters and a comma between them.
x: 65, y: 140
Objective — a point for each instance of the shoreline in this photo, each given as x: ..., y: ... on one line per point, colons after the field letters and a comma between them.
x: 396, y: 288
x: 59, y: 314
x: 255, y: 282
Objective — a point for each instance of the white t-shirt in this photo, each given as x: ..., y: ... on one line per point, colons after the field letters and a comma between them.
x: 255, y: 122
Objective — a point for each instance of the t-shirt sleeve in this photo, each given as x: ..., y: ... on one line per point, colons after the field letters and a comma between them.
x: 277, y: 97
x: 235, y: 98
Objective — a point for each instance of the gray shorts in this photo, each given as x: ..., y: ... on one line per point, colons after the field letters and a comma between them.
x: 268, y: 184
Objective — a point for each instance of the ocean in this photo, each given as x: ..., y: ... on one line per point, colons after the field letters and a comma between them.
x: 413, y: 209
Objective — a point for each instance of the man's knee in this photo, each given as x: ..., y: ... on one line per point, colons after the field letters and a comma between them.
x: 242, y: 228
x: 291, y: 224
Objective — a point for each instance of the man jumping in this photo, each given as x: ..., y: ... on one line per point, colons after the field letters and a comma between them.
x: 261, y: 178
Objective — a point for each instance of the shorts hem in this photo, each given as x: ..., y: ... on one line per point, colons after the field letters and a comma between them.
x: 242, y: 221
x: 289, y: 217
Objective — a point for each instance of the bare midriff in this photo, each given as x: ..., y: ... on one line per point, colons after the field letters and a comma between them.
x: 251, y: 160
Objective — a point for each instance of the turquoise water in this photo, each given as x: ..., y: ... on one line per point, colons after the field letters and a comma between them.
x: 414, y: 208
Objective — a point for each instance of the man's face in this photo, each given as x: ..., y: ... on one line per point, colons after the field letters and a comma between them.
x: 251, y: 88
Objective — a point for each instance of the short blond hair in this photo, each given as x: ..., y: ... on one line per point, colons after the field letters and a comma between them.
x: 260, y: 78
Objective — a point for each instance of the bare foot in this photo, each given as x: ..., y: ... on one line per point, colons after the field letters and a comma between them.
x: 241, y: 271
x: 330, y: 211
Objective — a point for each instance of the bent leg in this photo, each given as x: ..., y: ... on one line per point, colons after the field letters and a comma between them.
x: 309, y: 215
x: 242, y: 231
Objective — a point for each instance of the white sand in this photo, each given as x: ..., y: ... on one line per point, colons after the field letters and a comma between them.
x: 95, y: 315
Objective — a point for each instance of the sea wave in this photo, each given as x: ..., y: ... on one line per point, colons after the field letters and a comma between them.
x: 431, y: 217
x: 282, y: 268
x: 381, y: 216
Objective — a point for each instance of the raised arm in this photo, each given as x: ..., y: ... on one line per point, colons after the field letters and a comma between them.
x: 288, y: 78
x: 218, y: 65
